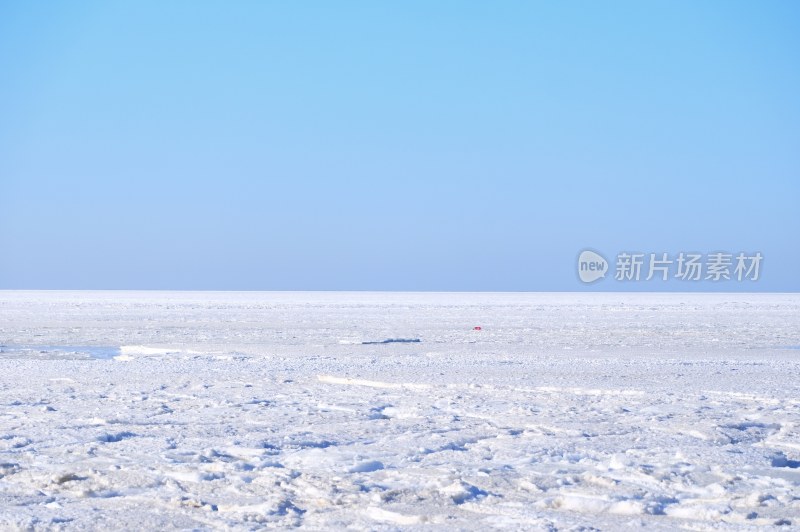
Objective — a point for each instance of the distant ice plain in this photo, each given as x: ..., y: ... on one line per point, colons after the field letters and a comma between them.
x: 252, y: 410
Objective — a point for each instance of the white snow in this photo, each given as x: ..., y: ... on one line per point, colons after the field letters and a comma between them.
x: 250, y: 410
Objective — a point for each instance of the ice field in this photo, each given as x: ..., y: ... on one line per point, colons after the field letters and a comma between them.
x: 240, y: 411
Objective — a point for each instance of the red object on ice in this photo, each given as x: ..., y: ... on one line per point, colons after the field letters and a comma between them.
x: 476, y: 328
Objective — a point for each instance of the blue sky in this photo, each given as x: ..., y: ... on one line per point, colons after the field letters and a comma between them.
x: 393, y: 146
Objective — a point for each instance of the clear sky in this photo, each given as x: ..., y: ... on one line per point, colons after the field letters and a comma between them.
x: 393, y: 145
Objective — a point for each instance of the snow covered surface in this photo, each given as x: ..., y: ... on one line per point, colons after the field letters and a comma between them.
x: 163, y: 410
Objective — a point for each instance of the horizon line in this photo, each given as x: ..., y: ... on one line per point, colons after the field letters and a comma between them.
x: 400, y: 291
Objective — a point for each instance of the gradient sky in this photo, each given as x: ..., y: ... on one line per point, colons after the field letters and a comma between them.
x: 393, y: 145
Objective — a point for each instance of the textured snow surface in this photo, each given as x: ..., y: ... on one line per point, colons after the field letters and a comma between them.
x: 160, y: 410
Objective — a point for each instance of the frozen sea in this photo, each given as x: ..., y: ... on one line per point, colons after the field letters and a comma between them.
x: 245, y: 411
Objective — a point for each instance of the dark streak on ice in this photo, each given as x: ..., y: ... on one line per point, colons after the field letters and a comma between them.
x: 394, y: 341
